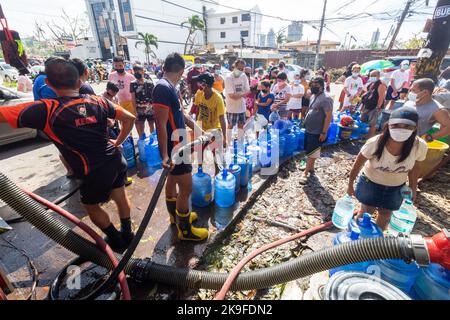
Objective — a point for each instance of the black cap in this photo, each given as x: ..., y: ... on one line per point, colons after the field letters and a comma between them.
x: 404, y: 115
x: 206, y: 78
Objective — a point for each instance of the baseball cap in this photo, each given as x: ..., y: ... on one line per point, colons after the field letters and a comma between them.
x: 206, y: 78
x: 405, y: 62
x: 404, y: 115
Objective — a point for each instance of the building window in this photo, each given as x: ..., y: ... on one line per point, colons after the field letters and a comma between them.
x: 223, y: 35
x: 244, y: 33
x: 235, y: 19
x: 246, y: 17
x: 222, y: 20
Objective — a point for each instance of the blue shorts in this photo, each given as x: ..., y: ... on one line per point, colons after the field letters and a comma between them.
x: 236, y: 119
x: 378, y: 196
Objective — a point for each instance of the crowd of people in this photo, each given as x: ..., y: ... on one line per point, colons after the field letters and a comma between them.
x: 68, y: 110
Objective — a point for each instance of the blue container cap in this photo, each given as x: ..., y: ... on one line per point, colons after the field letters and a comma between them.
x: 439, y: 274
x: 368, y: 228
x: 343, y: 237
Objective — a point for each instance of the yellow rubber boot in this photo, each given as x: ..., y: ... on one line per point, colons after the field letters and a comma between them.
x: 171, y: 204
x: 187, y: 232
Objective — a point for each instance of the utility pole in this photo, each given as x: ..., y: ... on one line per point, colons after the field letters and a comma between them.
x: 399, y: 25
x: 316, y: 60
x: 436, y: 46
x: 205, y: 20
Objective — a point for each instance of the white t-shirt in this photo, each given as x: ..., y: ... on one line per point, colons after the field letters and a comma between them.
x: 296, y: 103
x: 236, y: 85
x: 280, y: 94
x: 400, y: 77
x: 352, y: 85
x: 387, y: 171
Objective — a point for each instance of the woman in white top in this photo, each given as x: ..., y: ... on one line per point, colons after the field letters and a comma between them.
x: 389, y: 159
x: 295, y: 103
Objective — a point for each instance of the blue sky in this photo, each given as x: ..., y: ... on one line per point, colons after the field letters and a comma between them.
x: 22, y: 14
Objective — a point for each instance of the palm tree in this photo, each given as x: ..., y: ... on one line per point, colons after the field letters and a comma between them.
x: 147, y: 40
x: 281, y: 38
x: 195, y: 23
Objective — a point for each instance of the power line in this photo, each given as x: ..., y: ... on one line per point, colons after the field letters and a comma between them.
x: 180, y: 6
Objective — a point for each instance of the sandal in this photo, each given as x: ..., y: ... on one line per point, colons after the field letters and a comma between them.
x: 303, y: 180
x: 302, y: 165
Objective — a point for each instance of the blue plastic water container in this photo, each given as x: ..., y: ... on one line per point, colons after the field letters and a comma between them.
x: 332, y: 133
x: 433, y: 283
x: 129, y: 153
x: 367, y: 227
x: 290, y: 145
x: 301, y: 141
x: 201, y: 189
x: 224, y: 189
x: 152, y: 153
x: 356, y: 133
x: 399, y: 273
x: 344, y: 237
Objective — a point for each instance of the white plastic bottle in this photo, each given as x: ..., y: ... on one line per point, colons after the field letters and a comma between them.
x: 343, y: 212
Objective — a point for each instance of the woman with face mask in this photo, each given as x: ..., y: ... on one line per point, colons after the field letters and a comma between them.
x: 295, y: 103
x: 282, y: 92
x: 388, y: 161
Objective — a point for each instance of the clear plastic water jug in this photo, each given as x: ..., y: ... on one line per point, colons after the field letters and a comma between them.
x: 224, y: 189
x: 343, y: 212
x: 129, y: 153
x: 274, y: 116
x: 201, y: 189
x: 403, y: 220
x: 141, y: 147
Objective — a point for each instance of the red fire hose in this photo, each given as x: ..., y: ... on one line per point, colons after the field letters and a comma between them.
x: 98, y: 240
x: 237, y: 269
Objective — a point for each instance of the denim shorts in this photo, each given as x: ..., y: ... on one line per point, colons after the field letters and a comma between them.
x: 378, y: 196
x: 236, y: 118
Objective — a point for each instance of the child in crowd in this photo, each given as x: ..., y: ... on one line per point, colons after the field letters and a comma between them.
x: 264, y: 100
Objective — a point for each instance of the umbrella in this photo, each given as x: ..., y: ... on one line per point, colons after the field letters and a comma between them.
x: 376, y: 65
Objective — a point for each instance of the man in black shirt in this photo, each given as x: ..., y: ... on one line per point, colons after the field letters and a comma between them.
x: 141, y: 93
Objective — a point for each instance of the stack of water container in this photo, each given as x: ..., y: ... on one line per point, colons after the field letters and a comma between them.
x: 129, y: 152
x: 431, y: 283
x: 149, y: 151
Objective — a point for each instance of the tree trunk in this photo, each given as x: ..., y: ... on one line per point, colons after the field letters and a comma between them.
x: 187, y: 41
x: 438, y: 40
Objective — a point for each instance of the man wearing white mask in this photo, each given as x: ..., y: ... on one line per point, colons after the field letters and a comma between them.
x: 388, y: 161
x: 236, y: 89
x: 398, y: 80
x: 430, y: 111
x: 373, y: 101
x: 295, y: 103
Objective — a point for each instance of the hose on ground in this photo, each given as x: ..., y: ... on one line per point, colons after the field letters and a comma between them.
x: 348, y: 253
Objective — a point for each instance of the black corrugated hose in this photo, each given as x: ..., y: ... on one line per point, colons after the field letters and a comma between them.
x: 145, y: 270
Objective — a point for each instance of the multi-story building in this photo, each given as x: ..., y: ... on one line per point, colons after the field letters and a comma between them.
x: 375, y: 37
x: 295, y: 31
x: 111, y: 22
x: 271, y: 39
x: 226, y: 29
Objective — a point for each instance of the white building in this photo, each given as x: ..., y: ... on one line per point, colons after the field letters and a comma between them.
x: 227, y: 28
x: 295, y: 31
x: 162, y: 19
x: 271, y: 39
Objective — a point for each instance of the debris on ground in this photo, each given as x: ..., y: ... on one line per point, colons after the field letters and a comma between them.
x: 287, y: 207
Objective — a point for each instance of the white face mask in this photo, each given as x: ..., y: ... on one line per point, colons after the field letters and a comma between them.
x: 400, y: 135
x: 355, y: 74
x: 237, y: 73
x: 412, y: 97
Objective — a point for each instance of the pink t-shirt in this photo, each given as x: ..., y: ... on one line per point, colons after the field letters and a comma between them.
x: 123, y: 81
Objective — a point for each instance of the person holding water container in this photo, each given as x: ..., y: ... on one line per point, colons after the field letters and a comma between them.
x: 388, y: 161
